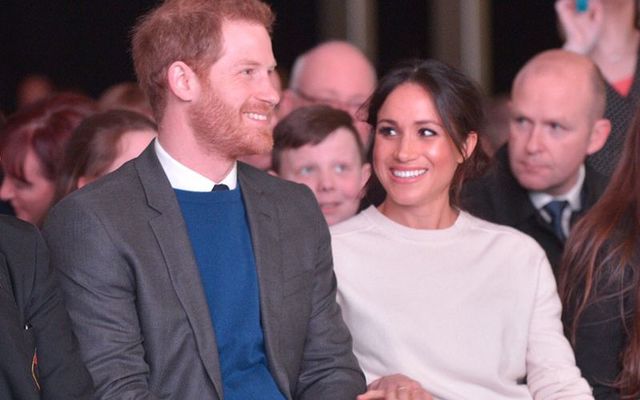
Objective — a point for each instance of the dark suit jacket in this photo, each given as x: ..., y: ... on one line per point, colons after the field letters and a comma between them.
x: 138, y: 307
x: 499, y: 198
x: 29, y: 298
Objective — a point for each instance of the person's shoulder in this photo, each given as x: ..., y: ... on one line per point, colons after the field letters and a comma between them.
x: 10, y: 225
x: 500, y: 232
x: 106, y: 189
x: 594, y: 181
x: 286, y: 191
x: 16, y: 233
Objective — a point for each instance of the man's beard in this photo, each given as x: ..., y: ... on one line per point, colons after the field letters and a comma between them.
x: 218, y: 128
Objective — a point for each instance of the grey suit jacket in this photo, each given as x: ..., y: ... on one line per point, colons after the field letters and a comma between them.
x: 134, y: 294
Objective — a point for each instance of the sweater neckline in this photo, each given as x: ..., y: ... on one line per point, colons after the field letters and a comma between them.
x: 388, y: 225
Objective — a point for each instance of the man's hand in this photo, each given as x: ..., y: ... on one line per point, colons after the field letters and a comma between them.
x: 395, y: 387
x: 582, y: 29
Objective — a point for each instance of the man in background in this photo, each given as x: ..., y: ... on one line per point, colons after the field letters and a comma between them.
x: 334, y: 73
x: 540, y: 184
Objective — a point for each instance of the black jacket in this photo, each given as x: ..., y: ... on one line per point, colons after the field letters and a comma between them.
x: 33, y: 318
x: 499, y: 198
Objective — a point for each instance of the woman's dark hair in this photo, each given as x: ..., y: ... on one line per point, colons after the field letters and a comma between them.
x: 43, y: 127
x: 310, y: 125
x: 94, y: 145
x: 458, y: 102
x: 603, y: 250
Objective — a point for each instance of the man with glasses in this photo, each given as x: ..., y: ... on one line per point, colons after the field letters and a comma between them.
x: 335, y: 73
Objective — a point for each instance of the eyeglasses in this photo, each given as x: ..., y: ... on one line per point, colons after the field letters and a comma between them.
x: 352, y: 106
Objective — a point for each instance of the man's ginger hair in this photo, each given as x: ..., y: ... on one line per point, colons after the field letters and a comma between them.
x: 189, y: 31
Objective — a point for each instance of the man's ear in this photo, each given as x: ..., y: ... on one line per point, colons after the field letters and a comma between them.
x: 183, y: 81
x: 599, y: 135
x: 469, y: 146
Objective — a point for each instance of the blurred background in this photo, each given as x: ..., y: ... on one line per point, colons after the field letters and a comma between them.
x: 83, y: 45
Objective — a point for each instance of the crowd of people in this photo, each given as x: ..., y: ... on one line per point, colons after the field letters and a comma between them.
x: 209, y: 232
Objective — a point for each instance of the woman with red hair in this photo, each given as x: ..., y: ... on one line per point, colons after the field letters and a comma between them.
x: 31, y: 150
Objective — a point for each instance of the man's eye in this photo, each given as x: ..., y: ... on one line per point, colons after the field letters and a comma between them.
x: 340, y: 168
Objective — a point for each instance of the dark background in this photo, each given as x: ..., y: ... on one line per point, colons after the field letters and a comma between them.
x: 84, y: 44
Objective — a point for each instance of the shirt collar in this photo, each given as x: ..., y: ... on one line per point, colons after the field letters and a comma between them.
x: 184, y: 178
x: 540, y: 199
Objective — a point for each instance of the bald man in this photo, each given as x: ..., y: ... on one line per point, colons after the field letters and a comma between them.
x: 539, y: 184
x: 334, y: 73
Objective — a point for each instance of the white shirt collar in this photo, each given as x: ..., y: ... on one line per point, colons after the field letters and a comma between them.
x: 540, y: 199
x: 184, y: 178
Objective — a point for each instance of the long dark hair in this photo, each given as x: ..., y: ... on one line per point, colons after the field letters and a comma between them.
x: 458, y: 102
x: 603, y: 249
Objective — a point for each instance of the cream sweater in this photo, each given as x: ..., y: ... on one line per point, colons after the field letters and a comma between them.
x: 471, y: 311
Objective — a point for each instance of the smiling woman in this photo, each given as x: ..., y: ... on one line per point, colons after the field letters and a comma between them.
x: 430, y: 291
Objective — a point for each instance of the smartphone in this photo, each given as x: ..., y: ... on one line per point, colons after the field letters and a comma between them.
x: 582, y: 5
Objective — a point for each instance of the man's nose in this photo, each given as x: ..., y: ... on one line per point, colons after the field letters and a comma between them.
x: 268, y: 92
x: 534, y: 140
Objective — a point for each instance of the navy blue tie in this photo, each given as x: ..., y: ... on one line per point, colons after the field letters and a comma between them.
x: 555, y: 210
x: 221, y: 187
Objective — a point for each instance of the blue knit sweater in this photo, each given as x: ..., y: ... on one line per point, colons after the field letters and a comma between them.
x: 221, y: 240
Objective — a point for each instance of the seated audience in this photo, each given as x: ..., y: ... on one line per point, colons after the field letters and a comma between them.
x: 40, y: 355
x: 466, y: 308
x: 100, y: 145
x: 334, y: 73
x: 318, y: 146
x: 31, y: 150
x: 599, y: 283
x: 33, y: 88
x: 5, y: 207
x: 539, y: 183
x: 125, y: 96
x: 608, y: 33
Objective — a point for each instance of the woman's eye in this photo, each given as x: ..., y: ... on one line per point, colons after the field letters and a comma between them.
x: 427, y: 132
x: 340, y: 168
x: 387, y: 131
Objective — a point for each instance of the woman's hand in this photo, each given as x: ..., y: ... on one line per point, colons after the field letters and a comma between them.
x: 395, y: 387
x: 582, y: 29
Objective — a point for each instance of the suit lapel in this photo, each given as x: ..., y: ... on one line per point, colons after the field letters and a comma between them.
x: 263, y: 223
x: 171, y: 233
